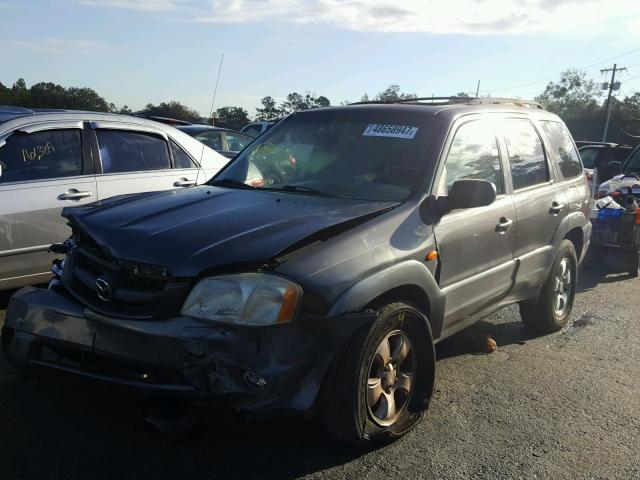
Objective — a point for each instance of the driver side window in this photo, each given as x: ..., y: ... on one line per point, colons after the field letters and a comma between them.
x: 473, y: 154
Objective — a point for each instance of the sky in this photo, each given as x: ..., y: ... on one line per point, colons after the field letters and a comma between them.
x: 135, y: 52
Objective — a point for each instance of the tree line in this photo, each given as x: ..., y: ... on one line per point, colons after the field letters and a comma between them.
x: 578, y: 100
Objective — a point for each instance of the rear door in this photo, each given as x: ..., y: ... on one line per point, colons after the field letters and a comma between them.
x: 135, y: 159
x: 475, y: 245
x: 44, y: 168
x: 540, y: 204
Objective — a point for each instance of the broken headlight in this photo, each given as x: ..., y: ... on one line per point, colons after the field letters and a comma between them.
x: 244, y: 299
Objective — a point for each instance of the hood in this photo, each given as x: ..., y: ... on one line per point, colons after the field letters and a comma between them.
x: 192, y: 230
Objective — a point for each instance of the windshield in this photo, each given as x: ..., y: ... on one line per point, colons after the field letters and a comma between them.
x: 633, y: 164
x: 351, y: 153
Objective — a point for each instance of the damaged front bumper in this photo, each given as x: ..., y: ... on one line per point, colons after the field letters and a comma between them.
x: 256, y: 369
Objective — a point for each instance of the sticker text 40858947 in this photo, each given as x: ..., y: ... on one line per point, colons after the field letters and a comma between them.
x: 392, y: 131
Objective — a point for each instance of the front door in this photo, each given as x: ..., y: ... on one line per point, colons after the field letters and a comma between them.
x: 42, y: 172
x: 475, y: 245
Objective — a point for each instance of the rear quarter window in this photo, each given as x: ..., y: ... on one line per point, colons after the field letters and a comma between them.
x: 562, y: 145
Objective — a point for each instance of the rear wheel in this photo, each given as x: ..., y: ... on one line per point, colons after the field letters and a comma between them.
x: 551, y: 312
x: 383, y: 382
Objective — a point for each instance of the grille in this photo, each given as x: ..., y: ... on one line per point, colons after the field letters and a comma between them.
x: 130, y: 289
x: 93, y: 364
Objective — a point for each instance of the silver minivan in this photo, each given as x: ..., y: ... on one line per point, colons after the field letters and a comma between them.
x: 50, y: 159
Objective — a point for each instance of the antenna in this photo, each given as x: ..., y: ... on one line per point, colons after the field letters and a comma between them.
x: 213, y: 101
x: 215, y: 90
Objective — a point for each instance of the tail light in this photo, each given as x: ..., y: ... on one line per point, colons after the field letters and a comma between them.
x: 637, y: 216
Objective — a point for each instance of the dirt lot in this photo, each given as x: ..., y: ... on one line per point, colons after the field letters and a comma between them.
x: 561, y: 406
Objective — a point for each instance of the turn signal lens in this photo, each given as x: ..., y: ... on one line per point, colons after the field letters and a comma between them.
x: 432, y: 255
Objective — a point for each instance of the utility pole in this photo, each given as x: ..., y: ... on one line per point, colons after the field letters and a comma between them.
x: 611, y: 88
x: 478, y: 89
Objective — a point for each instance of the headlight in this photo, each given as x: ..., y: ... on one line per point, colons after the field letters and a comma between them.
x: 244, y: 299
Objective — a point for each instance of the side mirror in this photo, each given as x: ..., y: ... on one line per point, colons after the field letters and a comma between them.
x: 470, y: 194
x: 615, y: 165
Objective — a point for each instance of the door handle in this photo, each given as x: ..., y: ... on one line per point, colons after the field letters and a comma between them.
x: 184, y: 182
x: 73, y: 194
x: 556, y: 208
x: 503, y: 225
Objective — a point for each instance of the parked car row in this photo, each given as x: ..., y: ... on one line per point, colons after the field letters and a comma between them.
x: 314, y: 273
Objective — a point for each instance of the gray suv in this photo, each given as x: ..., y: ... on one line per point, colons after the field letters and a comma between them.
x: 373, y: 232
x: 50, y: 159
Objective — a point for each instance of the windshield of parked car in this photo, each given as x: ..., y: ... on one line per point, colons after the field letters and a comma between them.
x: 352, y: 153
x: 633, y: 164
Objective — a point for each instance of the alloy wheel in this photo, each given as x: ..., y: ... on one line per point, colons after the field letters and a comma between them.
x: 391, y: 378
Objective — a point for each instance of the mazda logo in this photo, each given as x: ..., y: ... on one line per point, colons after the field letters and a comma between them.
x: 103, y: 289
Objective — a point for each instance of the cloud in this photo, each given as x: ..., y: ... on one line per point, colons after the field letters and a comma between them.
x: 142, y: 5
x: 428, y: 16
x: 59, y: 45
x: 452, y: 16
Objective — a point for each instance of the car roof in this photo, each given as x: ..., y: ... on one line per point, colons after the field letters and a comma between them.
x: 9, y: 112
x: 447, y: 108
x: 13, y: 116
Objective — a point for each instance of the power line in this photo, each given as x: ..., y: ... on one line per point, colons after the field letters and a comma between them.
x: 558, y: 76
x: 622, y: 129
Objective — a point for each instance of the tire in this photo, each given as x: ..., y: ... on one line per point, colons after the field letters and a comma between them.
x: 549, y: 314
x: 634, y: 264
x: 361, y: 375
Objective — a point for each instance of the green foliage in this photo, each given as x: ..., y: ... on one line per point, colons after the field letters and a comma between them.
x: 231, y: 117
x: 392, y: 93
x: 572, y: 96
x: 172, y: 109
x: 269, y: 110
x: 51, y: 95
x: 296, y: 102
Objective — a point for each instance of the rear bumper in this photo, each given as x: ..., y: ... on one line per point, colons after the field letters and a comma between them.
x: 278, y: 368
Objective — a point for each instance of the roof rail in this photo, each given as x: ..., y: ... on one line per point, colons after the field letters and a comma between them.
x: 456, y: 101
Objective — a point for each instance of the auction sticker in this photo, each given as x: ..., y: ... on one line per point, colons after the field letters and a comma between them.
x: 393, y: 131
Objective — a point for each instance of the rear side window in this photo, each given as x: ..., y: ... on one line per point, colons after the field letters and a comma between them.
x: 180, y: 158
x: 41, y: 155
x: 123, y: 151
x: 526, y: 154
x: 474, y: 154
x: 562, y: 144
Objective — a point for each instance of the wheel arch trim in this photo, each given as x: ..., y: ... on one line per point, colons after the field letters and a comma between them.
x: 412, y: 274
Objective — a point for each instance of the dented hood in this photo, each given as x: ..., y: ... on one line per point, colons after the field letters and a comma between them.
x: 195, y: 229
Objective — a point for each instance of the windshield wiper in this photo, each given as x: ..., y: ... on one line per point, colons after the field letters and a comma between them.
x: 230, y: 182
x: 302, y: 189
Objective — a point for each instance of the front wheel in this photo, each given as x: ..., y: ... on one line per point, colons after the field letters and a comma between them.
x: 551, y: 312
x: 384, y: 380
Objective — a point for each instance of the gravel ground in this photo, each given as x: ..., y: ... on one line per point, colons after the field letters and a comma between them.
x: 560, y: 406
